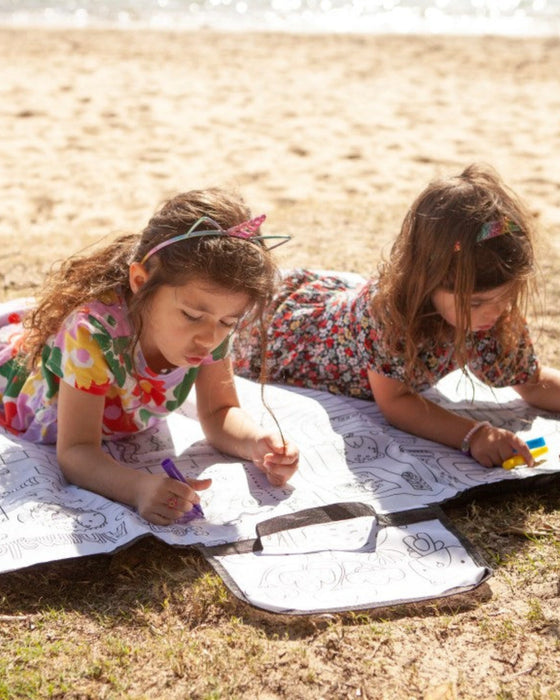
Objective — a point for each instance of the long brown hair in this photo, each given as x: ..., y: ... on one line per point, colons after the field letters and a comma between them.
x: 437, y: 247
x: 233, y: 263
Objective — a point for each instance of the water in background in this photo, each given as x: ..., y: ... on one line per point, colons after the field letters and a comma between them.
x: 509, y: 17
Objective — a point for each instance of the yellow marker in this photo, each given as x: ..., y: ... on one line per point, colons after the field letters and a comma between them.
x: 518, y: 460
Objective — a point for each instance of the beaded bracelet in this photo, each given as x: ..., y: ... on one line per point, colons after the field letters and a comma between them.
x: 465, y: 445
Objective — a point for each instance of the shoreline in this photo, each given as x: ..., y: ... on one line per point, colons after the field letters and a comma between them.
x: 549, y: 31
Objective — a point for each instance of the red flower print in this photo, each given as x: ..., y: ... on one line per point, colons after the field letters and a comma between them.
x: 150, y: 390
x: 115, y: 420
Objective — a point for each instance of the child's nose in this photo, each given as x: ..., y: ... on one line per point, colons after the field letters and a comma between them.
x: 207, y: 336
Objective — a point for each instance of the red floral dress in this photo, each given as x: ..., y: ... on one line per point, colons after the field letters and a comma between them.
x: 321, y: 335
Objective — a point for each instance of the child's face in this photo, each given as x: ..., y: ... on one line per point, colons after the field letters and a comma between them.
x: 182, y: 325
x: 486, y: 307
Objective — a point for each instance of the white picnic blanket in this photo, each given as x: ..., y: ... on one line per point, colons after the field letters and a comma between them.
x: 349, y: 454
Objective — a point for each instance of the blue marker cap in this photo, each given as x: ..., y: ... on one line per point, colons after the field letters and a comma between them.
x: 536, y: 442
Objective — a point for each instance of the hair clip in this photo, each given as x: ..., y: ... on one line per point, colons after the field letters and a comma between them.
x: 492, y: 229
x: 245, y: 231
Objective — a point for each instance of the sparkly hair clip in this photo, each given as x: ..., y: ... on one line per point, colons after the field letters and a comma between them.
x: 246, y: 231
x: 492, y: 229
x: 247, y: 228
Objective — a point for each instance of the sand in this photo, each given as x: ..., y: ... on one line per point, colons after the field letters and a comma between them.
x: 331, y: 136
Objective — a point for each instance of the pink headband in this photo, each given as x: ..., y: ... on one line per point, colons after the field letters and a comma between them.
x: 245, y: 230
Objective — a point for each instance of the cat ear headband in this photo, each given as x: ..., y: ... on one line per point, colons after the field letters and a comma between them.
x: 246, y: 230
x: 492, y: 229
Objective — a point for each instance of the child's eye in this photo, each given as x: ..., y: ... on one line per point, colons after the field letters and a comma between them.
x: 229, y: 324
x: 190, y: 317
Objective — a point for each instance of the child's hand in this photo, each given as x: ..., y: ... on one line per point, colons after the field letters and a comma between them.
x: 277, y: 461
x: 162, y: 501
x: 491, y: 446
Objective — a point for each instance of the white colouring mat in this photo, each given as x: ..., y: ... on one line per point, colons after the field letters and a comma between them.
x: 357, y: 527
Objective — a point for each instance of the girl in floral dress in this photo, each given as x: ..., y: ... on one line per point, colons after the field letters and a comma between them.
x: 118, y: 337
x: 451, y: 295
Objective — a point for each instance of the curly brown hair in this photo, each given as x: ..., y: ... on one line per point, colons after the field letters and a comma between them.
x: 233, y: 263
x: 437, y: 247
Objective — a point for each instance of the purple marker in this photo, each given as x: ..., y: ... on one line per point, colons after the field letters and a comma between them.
x: 173, y: 473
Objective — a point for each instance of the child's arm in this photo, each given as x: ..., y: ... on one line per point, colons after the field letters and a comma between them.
x: 232, y: 430
x: 543, y: 391
x: 415, y: 414
x: 84, y: 463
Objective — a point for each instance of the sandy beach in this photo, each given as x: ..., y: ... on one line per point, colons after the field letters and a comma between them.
x: 331, y: 136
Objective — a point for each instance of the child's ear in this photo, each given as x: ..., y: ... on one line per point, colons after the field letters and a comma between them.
x: 137, y: 276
